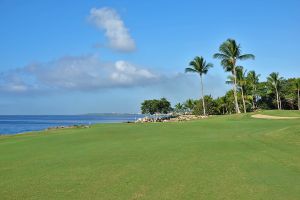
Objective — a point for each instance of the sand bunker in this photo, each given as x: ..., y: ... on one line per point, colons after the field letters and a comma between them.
x: 260, y: 116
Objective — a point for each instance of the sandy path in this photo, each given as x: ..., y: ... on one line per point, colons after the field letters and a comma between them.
x: 260, y: 116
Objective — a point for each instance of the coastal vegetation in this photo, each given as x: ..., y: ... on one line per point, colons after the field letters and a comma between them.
x: 252, y: 95
x: 248, y: 93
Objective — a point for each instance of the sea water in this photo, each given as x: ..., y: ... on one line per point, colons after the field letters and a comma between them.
x: 12, y: 124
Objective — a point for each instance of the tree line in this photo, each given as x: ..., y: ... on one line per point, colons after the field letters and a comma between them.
x: 247, y: 93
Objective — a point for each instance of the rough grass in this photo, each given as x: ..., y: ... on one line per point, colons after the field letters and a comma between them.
x: 226, y: 157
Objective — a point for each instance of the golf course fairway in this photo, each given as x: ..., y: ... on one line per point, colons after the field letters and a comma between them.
x: 221, y: 157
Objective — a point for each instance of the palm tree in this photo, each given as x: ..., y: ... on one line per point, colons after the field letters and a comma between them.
x: 274, y: 80
x: 189, y: 105
x: 229, y: 102
x: 297, y: 86
x: 241, y: 82
x: 230, y: 52
x: 179, y: 108
x: 253, y: 80
x: 199, y: 65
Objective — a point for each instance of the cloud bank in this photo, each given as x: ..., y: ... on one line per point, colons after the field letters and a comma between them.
x: 79, y: 73
x: 108, y: 19
x: 88, y: 73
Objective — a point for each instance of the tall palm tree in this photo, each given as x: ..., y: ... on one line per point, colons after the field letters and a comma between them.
x: 297, y: 86
x: 253, y: 80
x: 274, y: 80
x: 199, y: 65
x: 229, y: 53
x: 241, y: 82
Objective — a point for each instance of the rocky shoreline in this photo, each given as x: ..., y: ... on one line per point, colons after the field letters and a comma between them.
x: 67, y: 127
x: 171, y: 118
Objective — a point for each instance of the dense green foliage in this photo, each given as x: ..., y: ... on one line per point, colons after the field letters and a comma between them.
x: 222, y: 157
x: 156, y: 106
x: 260, y: 95
x: 287, y: 95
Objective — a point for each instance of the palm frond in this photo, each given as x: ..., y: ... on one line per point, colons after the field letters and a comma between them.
x: 220, y: 56
x: 229, y: 52
x: 188, y: 69
x: 230, y: 79
x: 206, y: 67
x: 227, y: 65
x: 209, y: 65
x: 229, y: 82
x: 199, y: 65
x: 246, y: 57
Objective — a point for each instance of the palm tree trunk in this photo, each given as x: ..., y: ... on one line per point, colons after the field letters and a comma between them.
x: 253, y: 105
x: 298, y: 99
x: 244, y: 105
x: 277, y: 98
x: 280, y: 103
x: 237, y: 109
x: 203, y: 103
x: 254, y: 98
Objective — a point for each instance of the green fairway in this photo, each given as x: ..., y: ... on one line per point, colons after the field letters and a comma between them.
x: 223, y: 157
x: 281, y: 113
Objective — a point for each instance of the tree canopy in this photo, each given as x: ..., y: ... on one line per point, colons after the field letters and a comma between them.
x: 156, y: 106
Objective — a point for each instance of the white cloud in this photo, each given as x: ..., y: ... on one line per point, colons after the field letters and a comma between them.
x: 79, y: 73
x: 126, y: 73
x: 109, y: 20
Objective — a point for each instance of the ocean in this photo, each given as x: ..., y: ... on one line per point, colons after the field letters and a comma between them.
x: 12, y: 124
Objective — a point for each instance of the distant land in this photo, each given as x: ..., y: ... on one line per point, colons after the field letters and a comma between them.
x: 112, y: 114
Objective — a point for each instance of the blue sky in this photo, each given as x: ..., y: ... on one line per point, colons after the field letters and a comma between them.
x: 70, y: 57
